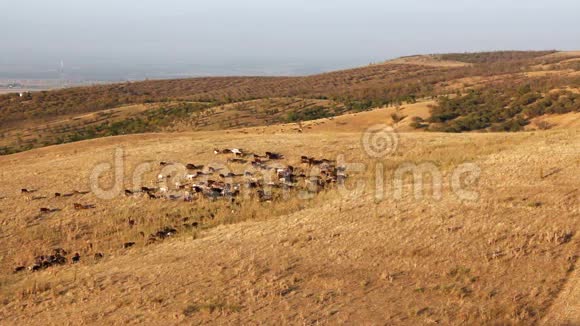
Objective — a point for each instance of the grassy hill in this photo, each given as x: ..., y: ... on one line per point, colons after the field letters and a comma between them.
x: 475, y: 91
x: 329, y: 259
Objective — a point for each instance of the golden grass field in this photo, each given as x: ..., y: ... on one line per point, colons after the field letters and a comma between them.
x: 508, y: 258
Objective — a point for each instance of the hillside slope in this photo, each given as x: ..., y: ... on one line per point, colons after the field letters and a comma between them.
x: 485, y: 83
x: 507, y: 258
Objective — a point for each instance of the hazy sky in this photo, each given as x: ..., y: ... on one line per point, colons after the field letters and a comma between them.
x: 271, y: 35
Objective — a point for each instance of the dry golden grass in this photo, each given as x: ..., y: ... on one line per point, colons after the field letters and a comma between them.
x: 428, y: 60
x: 556, y: 121
x: 508, y: 258
x: 352, y: 122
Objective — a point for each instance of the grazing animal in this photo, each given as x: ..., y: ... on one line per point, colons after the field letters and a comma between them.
x: 99, y: 256
x: 131, y: 223
x: 151, y: 239
x: 263, y: 196
x: 217, y: 151
x: 151, y: 196
x: 43, y: 262
x: 213, y: 170
x: 194, y: 167
x: 164, y: 233
x: 57, y: 194
x: 59, y: 251
x: 274, y: 156
x: 235, y: 151
x: 35, y: 268
x: 191, y: 177
x: 19, y: 269
x: 128, y: 193
x: 128, y: 245
x: 252, y: 184
x: 76, y: 258
x: 26, y: 191
x: 237, y: 161
x: 147, y: 189
x: 80, y: 207
x: 315, y: 162
x: 197, y: 189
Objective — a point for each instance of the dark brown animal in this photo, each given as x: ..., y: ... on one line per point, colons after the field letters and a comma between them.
x: 237, y: 161
x: 194, y: 167
x: 274, y: 156
x: 19, y: 269
x: 151, y: 196
x: 128, y: 245
x: 76, y: 258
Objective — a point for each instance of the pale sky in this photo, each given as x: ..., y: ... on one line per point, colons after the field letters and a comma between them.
x: 272, y: 35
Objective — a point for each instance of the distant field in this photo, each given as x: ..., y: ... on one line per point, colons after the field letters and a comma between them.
x: 493, y: 91
x: 24, y: 89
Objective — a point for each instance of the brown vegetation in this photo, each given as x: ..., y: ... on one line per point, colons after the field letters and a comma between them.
x: 199, y: 103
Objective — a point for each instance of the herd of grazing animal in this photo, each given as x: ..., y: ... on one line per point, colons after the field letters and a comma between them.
x: 265, y: 176
x: 58, y: 257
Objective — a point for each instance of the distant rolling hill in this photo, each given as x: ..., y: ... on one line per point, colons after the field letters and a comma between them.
x: 497, y: 91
